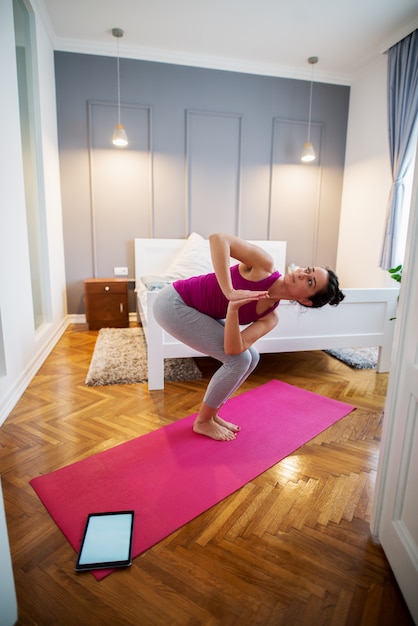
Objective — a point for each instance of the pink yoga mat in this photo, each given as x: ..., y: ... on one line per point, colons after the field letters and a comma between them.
x: 171, y: 475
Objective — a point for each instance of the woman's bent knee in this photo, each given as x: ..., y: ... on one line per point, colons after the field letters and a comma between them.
x: 241, y: 362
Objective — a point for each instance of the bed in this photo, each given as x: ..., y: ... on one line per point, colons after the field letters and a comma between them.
x: 363, y: 319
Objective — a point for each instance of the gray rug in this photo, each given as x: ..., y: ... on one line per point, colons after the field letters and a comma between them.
x: 358, y: 358
x: 120, y: 357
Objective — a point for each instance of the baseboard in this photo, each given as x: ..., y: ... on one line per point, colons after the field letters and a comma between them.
x: 75, y: 318
x: 13, y: 396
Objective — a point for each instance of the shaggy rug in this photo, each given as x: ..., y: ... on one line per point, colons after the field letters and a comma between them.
x: 358, y: 358
x: 120, y: 357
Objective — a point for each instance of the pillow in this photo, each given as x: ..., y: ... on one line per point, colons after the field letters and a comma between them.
x: 154, y: 283
x: 193, y: 259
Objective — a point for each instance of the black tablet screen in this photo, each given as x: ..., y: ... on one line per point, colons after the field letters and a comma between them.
x: 107, y: 541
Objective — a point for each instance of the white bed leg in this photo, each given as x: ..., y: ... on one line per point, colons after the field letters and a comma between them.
x: 385, y: 350
x: 155, y: 352
x: 384, y: 358
x: 155, y: 373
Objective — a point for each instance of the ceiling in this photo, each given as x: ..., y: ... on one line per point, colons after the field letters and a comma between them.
x: 270, y: 37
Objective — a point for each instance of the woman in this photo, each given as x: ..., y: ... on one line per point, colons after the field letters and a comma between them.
x: 207, y: 312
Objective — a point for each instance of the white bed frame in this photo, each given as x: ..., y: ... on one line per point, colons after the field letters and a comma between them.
x: 362, y: 319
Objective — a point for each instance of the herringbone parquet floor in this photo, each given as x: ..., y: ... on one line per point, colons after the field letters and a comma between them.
x: 292, y: 547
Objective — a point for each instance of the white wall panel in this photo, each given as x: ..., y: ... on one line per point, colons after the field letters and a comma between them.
x: 121, y: 185
x: 213, y: 165
x: 295, y: 191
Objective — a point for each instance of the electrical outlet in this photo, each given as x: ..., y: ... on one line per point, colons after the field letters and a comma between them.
x: 120, y: 271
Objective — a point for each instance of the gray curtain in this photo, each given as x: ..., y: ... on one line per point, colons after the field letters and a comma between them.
x: 403, y: 120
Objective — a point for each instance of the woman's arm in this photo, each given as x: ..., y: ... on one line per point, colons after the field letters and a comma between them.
x: 223, y: 247
x: 237, y: 340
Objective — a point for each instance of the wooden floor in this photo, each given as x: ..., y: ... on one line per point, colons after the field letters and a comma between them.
x: 292, y: 547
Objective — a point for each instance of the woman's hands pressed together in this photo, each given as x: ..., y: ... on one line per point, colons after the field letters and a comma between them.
x: 235, y: 339
x: 243, y: 296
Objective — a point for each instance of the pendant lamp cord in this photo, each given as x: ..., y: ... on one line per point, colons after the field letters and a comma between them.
x: 310, y: 108
x: 118, y: 82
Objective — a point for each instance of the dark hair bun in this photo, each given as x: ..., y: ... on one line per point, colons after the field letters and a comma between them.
x: 331, y: 294
x: 337, y: 298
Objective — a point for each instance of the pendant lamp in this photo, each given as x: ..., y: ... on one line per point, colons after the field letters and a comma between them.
x: 119, y: 138
x: 308, y: 152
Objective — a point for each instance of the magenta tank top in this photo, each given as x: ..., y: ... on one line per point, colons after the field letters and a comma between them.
x: 204, y: 294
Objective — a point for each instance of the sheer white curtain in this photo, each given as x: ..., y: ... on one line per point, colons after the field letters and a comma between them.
x: 403, y: 132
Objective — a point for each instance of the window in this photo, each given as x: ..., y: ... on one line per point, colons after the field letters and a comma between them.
x: 29, y: 125
x: 403, y: 216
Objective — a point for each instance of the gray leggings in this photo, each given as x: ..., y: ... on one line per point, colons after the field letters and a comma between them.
x: 205, y: 334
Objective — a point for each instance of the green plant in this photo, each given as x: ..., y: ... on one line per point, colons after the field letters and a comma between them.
x: 396, y: 273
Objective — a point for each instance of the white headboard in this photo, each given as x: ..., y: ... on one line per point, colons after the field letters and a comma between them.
x: 154, y: 256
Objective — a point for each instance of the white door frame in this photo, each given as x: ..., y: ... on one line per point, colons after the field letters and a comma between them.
x: 395, y: 509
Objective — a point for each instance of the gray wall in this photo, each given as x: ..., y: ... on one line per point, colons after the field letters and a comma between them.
x: 209, y: 150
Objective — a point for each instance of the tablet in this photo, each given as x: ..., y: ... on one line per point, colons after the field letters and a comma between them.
x: 107, y: 541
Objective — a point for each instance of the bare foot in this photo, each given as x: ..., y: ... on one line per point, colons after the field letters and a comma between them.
x: 232, y: 427
x: 214, y: 430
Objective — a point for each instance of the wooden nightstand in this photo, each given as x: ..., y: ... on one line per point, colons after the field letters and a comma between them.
x: 106, y: 302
